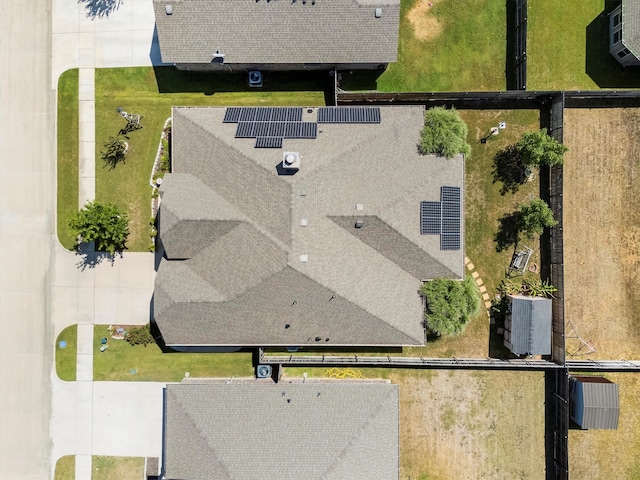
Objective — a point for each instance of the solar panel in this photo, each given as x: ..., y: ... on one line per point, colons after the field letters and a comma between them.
x: 430, y: 217
x: 309, y: 130
x: 450, y: 194
x: 430, y: 209
x: 451, y: 226
x: 264, y: 114
x: 276, y: 129
x: 245, y: 130
x: 292, y: 129
x: 449, y: 242
x: 268, y: 142
x: 450, y: 210
x: 232, y: 115
x: 349, y: 115
x: 261, y: 129
x: 247, y: 114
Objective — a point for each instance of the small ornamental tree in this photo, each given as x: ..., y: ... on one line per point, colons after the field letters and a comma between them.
x: 139, y: 336
x: 538, y: 148
x: 114, y: 151
x: 102, y: 223
x: 533, y: 217
x: 451, y: 304
x: 444, y: 133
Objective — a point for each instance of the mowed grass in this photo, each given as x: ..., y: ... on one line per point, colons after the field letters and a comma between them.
x: 568, y: 47
x: 152, y: 93
x: 68, y: 154
x: 463, y: 424
x: 66, y: 357
x: 124, y: 468
x: 454, y: 45
x: 123, y: 362
x: 605, y: 454
x: 65, y: 468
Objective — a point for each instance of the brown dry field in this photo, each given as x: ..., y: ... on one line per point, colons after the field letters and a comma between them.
x: 610, y: 454
x: 602, y: 230
x: 458, y: 425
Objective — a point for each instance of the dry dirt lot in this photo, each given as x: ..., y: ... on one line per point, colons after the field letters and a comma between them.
x: 602, y: 230
x: 458, y: 425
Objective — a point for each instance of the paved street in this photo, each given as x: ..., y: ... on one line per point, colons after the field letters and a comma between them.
x: 27, y: 220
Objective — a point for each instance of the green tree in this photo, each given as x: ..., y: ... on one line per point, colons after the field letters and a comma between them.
x: 114, y: 151
x: 451, y: 304
x: 533, y: 217
x: 538, y: 148
x: 102, y: 223
x: 139, y: 335
x: 444, y: 133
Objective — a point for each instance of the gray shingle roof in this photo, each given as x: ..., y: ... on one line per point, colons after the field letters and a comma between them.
x: 530, y: 325
x: 601, y: 402
x: 278, y: 31
x: 246, y: 284
x: 269, y: 431
x: 631, y: 26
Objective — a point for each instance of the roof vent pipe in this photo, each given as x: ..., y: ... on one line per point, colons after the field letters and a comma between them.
x: 378, y: 12
x: 168, y: 9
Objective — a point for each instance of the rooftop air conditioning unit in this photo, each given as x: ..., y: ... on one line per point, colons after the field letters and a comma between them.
x: 291, y: 160
x: 263, y: 371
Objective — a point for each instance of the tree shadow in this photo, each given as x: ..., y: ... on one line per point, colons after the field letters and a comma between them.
x: 91, y: 259
x: 600, y: 65
x: 508, y: 169
x: 100, y: 8
x: 507, y: 234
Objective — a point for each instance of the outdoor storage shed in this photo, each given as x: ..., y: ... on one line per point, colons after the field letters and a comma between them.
x: 528, y: 326
x: 595, y: 402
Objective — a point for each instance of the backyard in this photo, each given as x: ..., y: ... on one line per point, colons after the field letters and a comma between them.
x: 602, y: 230
x: 441, y: 50
x: 568, y: 47
x: 461, y: 424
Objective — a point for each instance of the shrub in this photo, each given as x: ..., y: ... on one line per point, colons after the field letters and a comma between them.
x: 139, y: 335
x: 444, y: 133
x: 451, y: 304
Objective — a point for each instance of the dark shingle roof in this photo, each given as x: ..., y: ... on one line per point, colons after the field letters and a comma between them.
x: 631, y: 26
x: 601, y: 402
x: 269, y: 431
x: 530, y: 325
x: 278, y: 31
x: 242, y: 282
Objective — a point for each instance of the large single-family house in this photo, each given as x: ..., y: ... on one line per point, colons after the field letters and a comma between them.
x: 281, y: 431
x: 224, y: 35
x: 624, y: 33
x: 595, y: 402
x: 297, y: 226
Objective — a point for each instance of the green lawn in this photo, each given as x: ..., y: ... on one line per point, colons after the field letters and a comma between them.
x: 65, y: 468
x: 66, y: 357
x: 121, y: 362
x: 568, y: 47
x: 455, y: 45
x: 152, y: 92
x: 68, y: 175
x: 124, y: 468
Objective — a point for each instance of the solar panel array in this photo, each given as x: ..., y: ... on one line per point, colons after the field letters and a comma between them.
x: 349, y: 115
x: 443, y: 218
x: 270, y: 125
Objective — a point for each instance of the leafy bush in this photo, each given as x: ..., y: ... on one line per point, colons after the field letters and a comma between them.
x: 538, y: 148
x: 102, y: 223
x: 139, y: 335
x: 444, y: 133
x: 451, y: 304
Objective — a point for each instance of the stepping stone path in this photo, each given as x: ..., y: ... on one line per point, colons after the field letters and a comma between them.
x: 483, y: 289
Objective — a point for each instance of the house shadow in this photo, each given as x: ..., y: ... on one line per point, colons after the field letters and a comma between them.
x: 359, y: 80
x: 603, y: 69
x: 100, y: 8
x: 171, y: 80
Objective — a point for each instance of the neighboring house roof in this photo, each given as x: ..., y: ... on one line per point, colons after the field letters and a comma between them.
x: 278, y: 31
x: 530, y: 325
x: 281, y: 431
x: 231, y: 229
x: 631, y: 26
x: 600, y: 404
